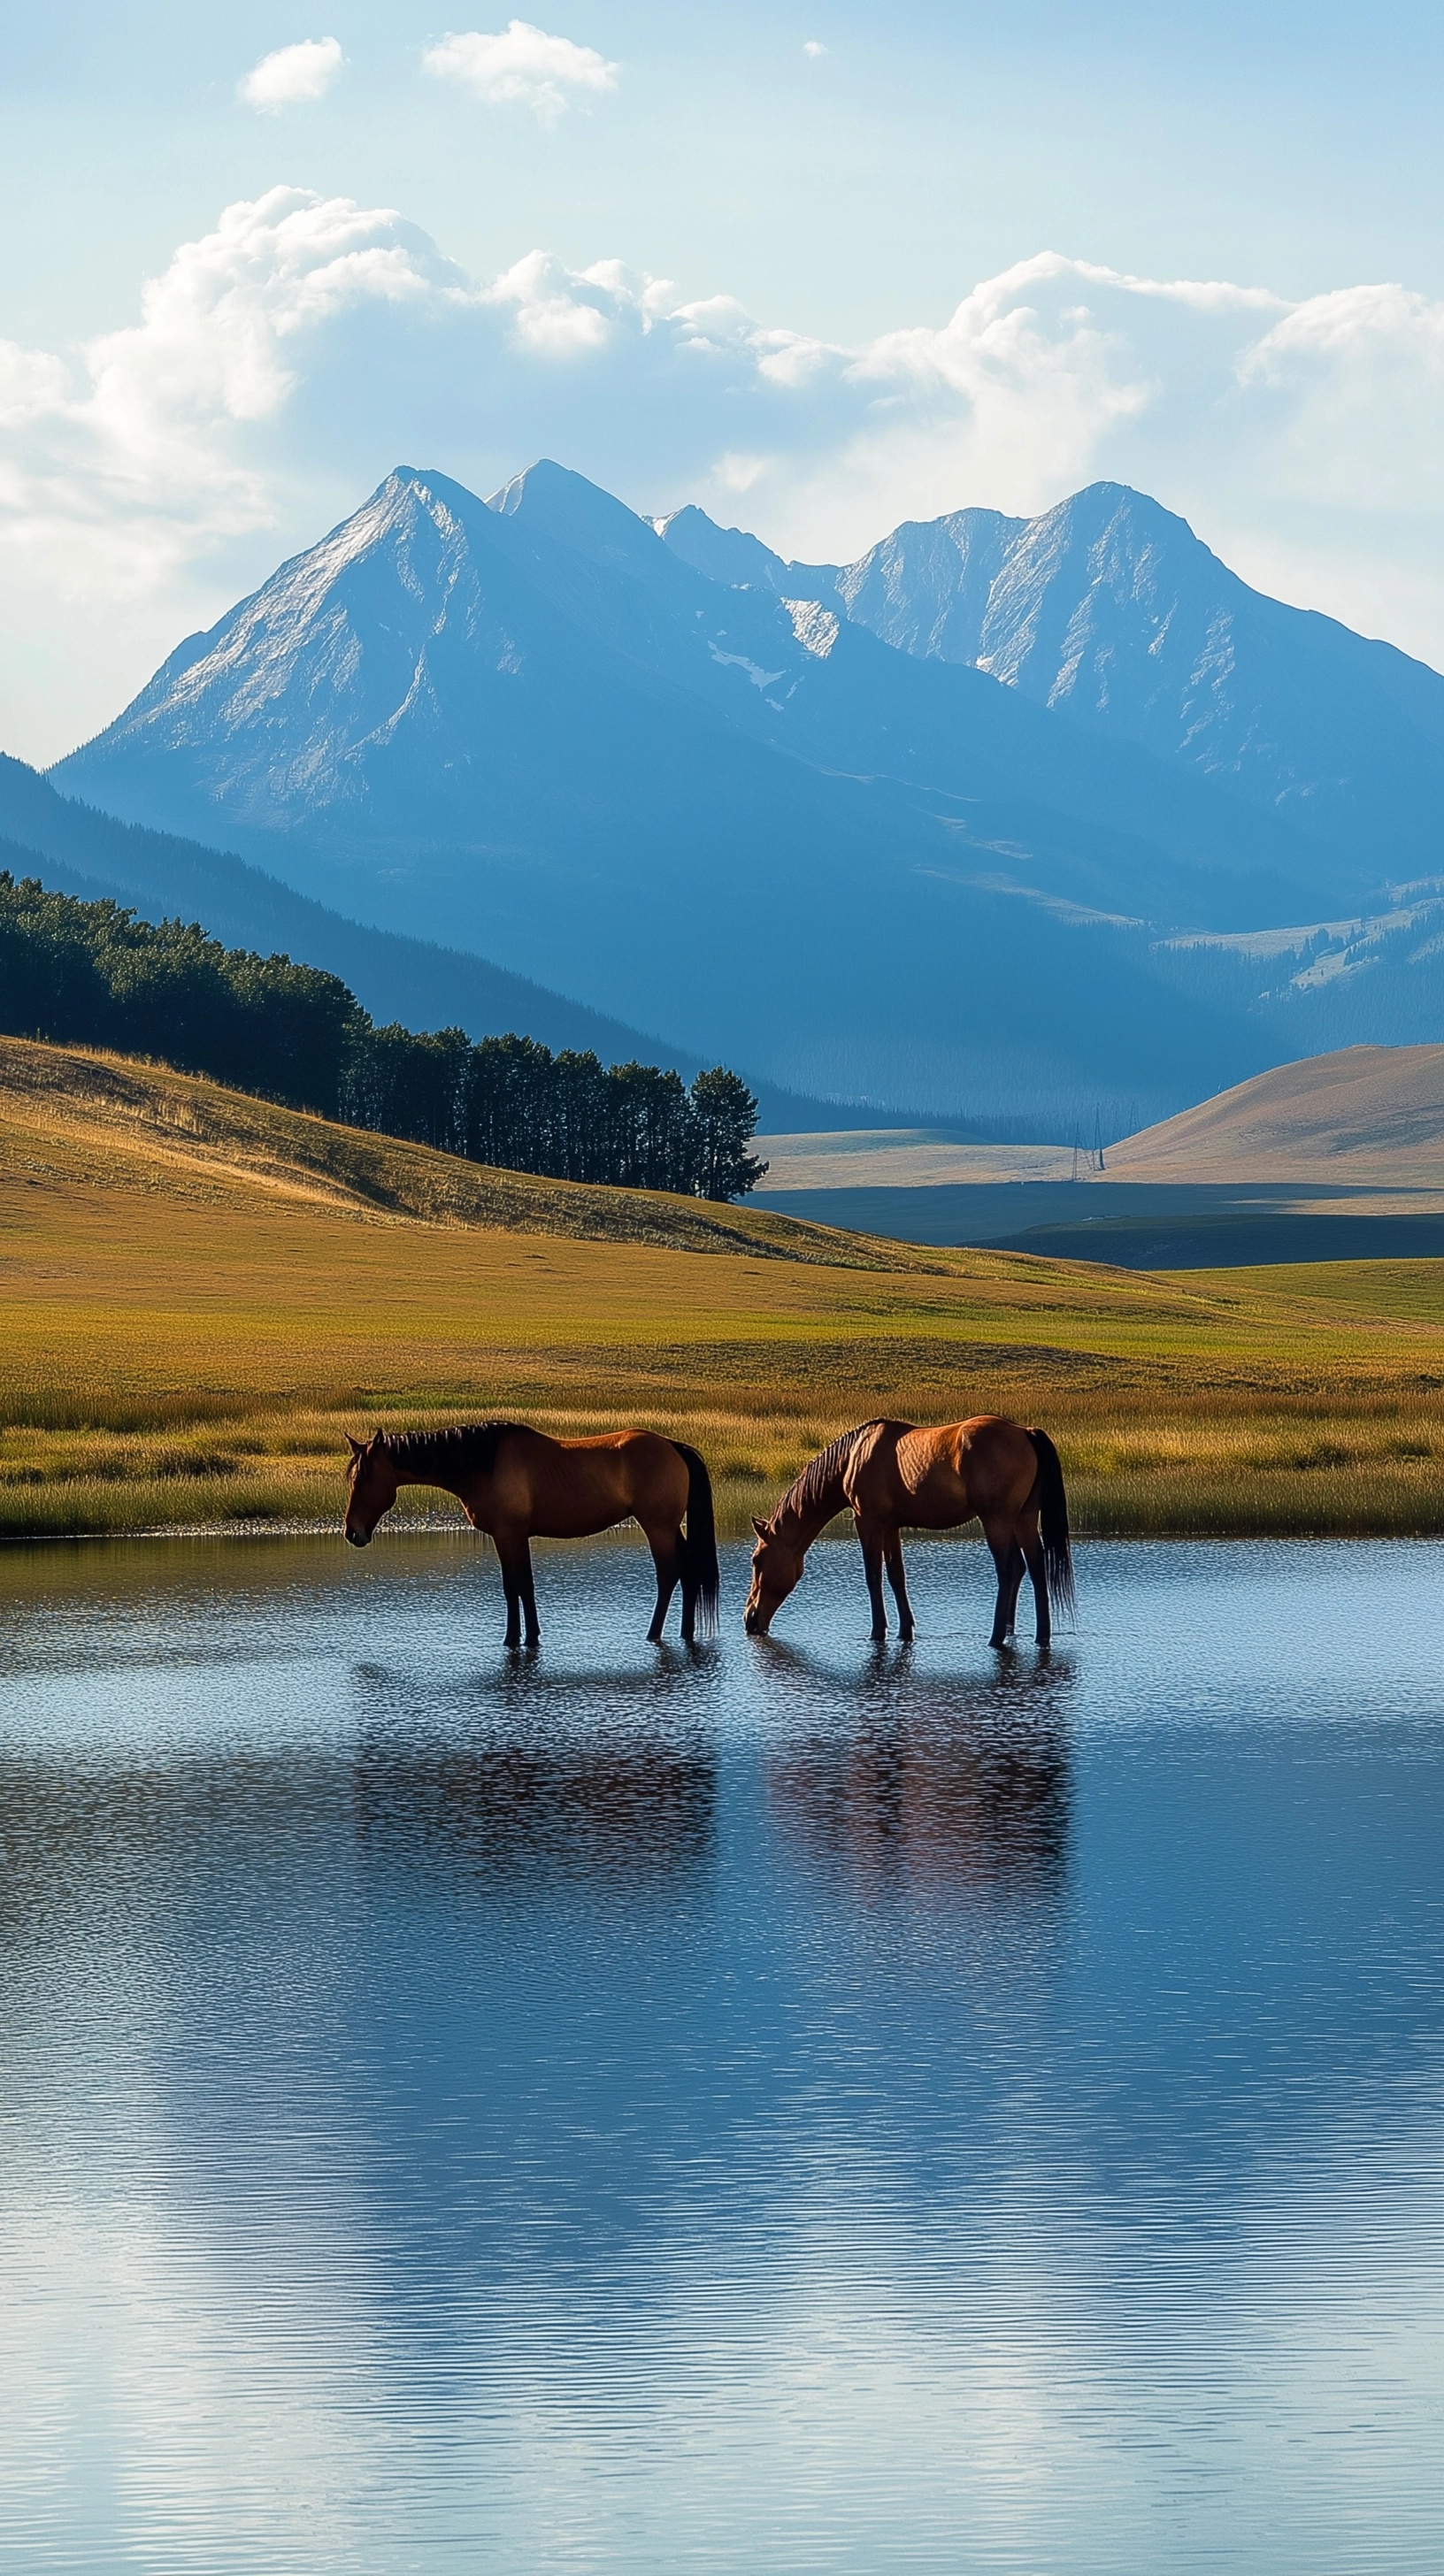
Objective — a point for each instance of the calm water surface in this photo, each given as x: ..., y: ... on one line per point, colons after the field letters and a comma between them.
x: 802, y: 2107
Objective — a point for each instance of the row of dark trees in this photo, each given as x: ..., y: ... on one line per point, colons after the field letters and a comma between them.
x: 512, y: 1102
x: 92, y: 974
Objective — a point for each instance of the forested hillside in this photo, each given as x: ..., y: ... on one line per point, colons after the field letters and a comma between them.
x: 92, y: 974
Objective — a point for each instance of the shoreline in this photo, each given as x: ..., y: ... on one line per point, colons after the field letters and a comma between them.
x: 439, y: 1525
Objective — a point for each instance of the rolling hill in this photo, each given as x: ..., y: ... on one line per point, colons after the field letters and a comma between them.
x: 76, y: 1115
x: 1368, y: 1117
x: 1337, y: 1158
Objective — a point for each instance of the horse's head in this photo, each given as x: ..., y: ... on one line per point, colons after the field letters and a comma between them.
x: 371, y: 1488
x: 776, y: 1571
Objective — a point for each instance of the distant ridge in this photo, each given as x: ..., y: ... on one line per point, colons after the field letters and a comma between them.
x: 75, y: 849
x: 87, y: 852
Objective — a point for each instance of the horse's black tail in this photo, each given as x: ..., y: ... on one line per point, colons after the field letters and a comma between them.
x: 1053, y: 1522
x: 700, y: 1571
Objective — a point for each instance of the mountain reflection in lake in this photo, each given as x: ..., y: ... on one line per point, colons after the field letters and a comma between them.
x: 798, y: 2106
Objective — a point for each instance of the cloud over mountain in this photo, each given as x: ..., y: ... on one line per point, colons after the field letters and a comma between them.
x: 290, y: 353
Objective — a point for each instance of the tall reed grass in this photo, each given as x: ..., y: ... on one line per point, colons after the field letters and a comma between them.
x: 1237, y: 1463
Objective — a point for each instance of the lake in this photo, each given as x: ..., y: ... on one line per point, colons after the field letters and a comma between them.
x: 797, y: 2107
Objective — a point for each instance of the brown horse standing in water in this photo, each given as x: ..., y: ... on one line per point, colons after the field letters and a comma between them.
x: 518, y: 1484
x: 894, y: 1477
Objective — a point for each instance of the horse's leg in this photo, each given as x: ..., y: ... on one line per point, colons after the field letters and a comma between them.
x: 870, y: 1539
x: 528, y: 1597
x: 1032, y: 1551
x: 666, y: 1547
x: 1003, y: 1548
x: 1017, y: 1567
x: 518, y: 1585
x: 906, y: 1624
x: 689, y: 1606
x: 512, y: 1596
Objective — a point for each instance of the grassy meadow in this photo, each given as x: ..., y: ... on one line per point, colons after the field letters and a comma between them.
x: 193, y: 1322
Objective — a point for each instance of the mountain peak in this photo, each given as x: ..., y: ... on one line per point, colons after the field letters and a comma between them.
x: 543, y: 482
x: 727, y: 555
x: 1102, y: 507
x: 549, y: 500
x: 427, y: 482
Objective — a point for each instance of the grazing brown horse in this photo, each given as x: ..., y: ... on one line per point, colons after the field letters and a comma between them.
x: 894, y: 1477
x: 518, y: 1484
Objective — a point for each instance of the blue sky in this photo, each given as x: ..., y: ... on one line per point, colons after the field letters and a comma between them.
x: 797, y: 202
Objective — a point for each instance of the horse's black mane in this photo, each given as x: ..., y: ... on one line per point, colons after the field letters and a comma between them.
x: 468, y: 1450
x: 811, y: 1487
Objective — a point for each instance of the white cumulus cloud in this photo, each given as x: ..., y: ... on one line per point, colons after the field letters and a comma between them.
x: 126, y: 465
x: 521, y: 67
x: 813, y: 50
x: 294, y: 76
x: 282, y: 362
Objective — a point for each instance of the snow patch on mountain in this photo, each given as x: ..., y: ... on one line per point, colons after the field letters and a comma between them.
x: 759, y: 678
x: 815, y: 627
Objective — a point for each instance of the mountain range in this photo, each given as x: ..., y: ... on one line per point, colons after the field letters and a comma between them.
x: 1110, y: 611
x: 1007, y: 818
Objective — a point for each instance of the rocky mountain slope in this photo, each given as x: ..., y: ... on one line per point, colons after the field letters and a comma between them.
x: 1108, y: 609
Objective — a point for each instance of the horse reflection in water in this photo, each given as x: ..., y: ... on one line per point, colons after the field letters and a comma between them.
x: 619, y: 1809
x: 948, y: 1790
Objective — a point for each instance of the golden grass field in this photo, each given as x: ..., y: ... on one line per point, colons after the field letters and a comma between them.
x: 202, y: 1295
